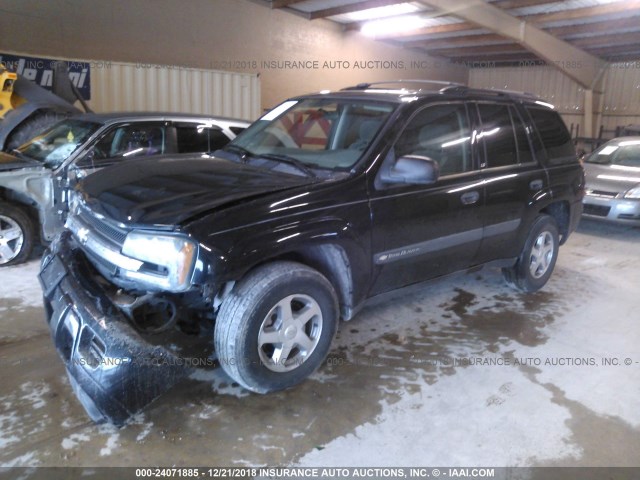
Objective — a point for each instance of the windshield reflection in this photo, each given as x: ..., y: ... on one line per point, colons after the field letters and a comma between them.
x: 55, y: 145
x: 317, y: 133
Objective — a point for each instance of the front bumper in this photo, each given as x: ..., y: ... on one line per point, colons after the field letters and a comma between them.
x: 113, y: 370
x: 618, y: 210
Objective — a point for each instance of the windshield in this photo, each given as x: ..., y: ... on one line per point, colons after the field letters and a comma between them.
x: 55, y: 145
x: 314, y: 133
x: 624, y: 153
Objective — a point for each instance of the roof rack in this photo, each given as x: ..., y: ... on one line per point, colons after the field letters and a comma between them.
x: 449, y: 87
x: 365, y: 86
x: 487, y: 91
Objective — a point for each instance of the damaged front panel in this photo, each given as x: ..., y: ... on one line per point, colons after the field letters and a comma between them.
x: 34, y: 186
x: 114, y: 371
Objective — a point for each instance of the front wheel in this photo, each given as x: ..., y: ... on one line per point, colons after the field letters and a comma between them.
x: 275, y: 328
x: 538, y: 258
x: 16, y: 235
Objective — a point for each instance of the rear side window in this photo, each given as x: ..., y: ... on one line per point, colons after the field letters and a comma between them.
x: 497, y: 135
x: 554, y: 135
x: 524, y: 149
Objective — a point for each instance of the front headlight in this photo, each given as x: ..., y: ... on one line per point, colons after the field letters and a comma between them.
x: 169, y: 259
x: 633, y: 193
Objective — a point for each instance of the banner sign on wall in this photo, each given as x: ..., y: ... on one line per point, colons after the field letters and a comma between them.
x: 40, y: 71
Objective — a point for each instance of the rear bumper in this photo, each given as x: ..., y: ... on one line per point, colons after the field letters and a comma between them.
x: 113, y: 370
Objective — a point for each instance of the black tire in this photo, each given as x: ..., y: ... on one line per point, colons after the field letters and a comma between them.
x: 14, y: 249
x: 538, y: 258
x: 251, y: 325
x: 32, y: 127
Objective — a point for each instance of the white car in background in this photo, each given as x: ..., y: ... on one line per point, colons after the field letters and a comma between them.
x: 35, y: 177
x: 613, y: 182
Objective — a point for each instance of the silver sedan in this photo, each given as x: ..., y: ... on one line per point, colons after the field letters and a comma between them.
x: 613, y: 181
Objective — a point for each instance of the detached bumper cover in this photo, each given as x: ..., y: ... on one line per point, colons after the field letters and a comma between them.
x: 113, y: 370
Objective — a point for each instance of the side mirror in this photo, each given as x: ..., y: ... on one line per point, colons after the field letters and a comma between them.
x: 412, y: 169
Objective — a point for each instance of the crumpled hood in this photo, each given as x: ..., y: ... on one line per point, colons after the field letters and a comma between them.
x: 611, y: 178
x: 169, y: 190
x: 12, y: 162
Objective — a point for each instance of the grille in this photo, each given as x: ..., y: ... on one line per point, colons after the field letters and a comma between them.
x: 597, y: 210
x: 602, y: 193
x: 100, y: 263
x: 110, y: 232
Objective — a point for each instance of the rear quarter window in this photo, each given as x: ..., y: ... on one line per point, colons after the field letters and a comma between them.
x: 556, y: 140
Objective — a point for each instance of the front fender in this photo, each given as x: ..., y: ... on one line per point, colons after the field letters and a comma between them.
x: 303, y: 242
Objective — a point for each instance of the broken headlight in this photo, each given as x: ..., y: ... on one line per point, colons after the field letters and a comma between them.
x: 169, y: 259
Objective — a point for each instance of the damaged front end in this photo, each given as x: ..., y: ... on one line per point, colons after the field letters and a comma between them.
x: 114, y: 370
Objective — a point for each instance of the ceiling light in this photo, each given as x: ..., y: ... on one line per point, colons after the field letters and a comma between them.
x: 392, y: 25
x: 382, y: 12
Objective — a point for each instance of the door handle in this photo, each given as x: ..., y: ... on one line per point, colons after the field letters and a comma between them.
x: 470, y: 198
x: 536, y: 185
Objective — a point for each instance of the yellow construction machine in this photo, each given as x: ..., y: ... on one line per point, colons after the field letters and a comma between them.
x: 26, y: 109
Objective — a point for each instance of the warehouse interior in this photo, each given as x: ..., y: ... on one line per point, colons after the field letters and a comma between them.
x: 550, y: 379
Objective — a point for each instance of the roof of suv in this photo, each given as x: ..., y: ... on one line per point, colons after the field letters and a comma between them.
x: 130, y: 116
x: 401, y: 90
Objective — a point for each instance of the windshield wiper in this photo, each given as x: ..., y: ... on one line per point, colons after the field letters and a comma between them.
x: 243, y: 152
x: 290, y: 161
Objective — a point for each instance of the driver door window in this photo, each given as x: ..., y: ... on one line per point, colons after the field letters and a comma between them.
x: 441, y: 133
x: 126, y: 141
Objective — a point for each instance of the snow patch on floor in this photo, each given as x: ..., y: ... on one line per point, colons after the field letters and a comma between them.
x: 8, y: 424
x: 34, y: 394
x: 146, y: 430
x: 74, y: 439
x: 21, y: 282
x: 112, y: 440
x: 26, y: 460
x: 323, y: 377
x: 209, y: 411
x: 220, y: 382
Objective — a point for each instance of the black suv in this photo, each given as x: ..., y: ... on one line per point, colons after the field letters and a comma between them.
x: 324, y: 202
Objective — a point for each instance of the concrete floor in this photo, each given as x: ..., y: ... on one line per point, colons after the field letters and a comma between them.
x: 411, y: 381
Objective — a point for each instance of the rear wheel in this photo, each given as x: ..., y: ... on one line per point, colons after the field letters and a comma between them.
x: 538, y: 258
x: 32, y: 127
x: 276, y: 326
x: 16, y: 235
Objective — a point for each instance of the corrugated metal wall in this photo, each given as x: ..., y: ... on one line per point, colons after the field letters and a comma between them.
x: 127, y: 87
x: 621, y: 102
x: 622, y: 95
